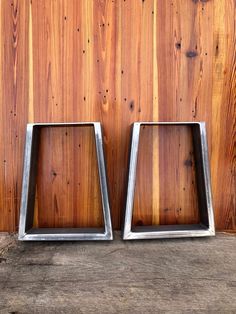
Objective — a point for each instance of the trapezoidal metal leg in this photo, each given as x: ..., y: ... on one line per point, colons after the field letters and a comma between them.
x: 26, y: 230
x: 206, y: 226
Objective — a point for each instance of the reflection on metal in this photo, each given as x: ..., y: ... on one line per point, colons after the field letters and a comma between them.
x: 206, y: 226
x: 26, y: 230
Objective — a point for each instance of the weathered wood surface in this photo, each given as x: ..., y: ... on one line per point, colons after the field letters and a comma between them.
x: 175, y: 276
x: 117, y: 62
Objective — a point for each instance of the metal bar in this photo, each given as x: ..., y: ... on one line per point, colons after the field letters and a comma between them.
x: 26, y: 230
x: 26, y: 180
x: 103, y: 179
x: 132, y: 178
x: 206, y: 227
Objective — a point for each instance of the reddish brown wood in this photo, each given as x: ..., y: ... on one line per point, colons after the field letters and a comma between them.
x: 117, y: 62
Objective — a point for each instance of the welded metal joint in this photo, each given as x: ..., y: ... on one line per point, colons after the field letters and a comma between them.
x: 26, y: 230
x: 206, y: 227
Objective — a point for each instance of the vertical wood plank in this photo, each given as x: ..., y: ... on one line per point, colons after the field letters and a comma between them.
x: 155, y: 116
x: 137, y: 94
x: 223, y: 161
x: 14, y: 101
x: 107, y: 94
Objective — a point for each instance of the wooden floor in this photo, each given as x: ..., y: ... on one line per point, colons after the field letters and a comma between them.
x: 167, y: 276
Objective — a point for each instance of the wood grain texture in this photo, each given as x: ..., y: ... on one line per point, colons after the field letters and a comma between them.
x: 67, y: 158
x: 171, y: 276
x: 14, y: 68
x: 117, y: 62
x: 223, y: 164
x: 175, y: 187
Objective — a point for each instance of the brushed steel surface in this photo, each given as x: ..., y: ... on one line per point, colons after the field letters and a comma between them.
x: 26, y: 230
x: 206, y: 227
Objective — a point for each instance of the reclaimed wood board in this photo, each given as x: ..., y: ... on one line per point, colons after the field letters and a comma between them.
x: 183, y: 276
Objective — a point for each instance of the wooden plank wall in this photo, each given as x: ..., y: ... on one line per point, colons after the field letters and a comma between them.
x: 117, y: 61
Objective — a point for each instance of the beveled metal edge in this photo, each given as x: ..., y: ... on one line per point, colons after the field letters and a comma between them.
x: 128, y: 234
x: 25, y: 181
x: 107, y: 234
x: 131, y: 180
x: 103, y: 181
x: 168, y: 234
x: 66, y: 237
x: 61, y: 123
x: 207, y: 178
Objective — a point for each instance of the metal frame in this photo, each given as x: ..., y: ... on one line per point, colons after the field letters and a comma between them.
x: 26, y: 230
x: 206, y: 227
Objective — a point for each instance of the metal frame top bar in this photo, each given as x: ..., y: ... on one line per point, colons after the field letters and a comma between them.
x: 52, y: 124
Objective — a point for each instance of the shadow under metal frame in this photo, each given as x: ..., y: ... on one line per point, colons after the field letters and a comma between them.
x: 206, y: 227
x: 26, y: 230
